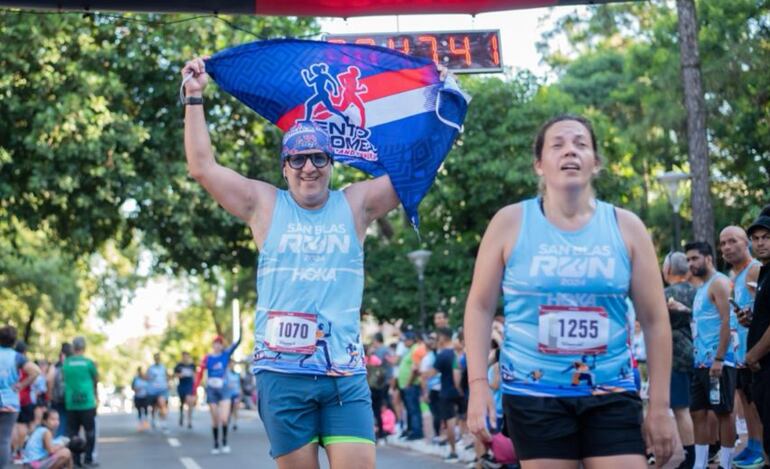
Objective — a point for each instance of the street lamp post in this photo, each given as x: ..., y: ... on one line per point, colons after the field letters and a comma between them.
x: 671, y: 181
x: 235, y: 314
x: 419, y: 260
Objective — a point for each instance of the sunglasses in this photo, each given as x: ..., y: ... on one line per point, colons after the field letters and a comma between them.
x: 319, y: 160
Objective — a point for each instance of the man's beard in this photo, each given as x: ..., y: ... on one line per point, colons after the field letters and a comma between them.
x: 701, y: 272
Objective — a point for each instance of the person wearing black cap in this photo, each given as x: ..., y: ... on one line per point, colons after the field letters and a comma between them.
x: 758, y: 322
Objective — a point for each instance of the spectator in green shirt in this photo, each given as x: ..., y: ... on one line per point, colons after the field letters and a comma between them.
x: 409, y: 384
x: 80, y: 378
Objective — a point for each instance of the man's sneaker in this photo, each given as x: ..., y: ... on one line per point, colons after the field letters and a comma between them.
x: 752, y: 460
x: 214, y: 450
x: 488, y: 462
x: 226, y: 449
x: 742, y: 455
x: 451, y: 457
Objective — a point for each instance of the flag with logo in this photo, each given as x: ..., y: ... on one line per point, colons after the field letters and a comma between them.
x: 385, y: 112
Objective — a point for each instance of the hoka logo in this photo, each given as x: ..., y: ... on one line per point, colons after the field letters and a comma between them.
x: 311, y: 274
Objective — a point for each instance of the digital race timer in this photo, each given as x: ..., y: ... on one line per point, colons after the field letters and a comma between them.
x: 459, y: 51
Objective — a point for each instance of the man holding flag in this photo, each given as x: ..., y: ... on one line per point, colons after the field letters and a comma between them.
x: 309, y: 281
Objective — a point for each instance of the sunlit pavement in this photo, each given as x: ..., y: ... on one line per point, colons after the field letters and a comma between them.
x: 121, y: 446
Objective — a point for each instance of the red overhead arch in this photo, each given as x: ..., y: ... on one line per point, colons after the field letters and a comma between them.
x: 337, y: 8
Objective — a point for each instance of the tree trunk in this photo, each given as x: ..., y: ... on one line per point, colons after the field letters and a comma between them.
x: 28, y: 325
x: 210, y: 303
x: 697, y: 145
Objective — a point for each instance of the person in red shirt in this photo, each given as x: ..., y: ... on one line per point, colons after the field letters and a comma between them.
x: 27, y: 410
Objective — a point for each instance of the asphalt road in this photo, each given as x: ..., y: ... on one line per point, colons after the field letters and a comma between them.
x: 121, y: 446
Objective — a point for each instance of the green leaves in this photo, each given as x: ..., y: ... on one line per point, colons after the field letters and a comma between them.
x: 92, y: 162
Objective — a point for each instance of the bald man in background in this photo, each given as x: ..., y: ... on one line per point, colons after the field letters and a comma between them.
x: 734, y: 246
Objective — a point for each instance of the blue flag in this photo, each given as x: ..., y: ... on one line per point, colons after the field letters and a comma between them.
x: 384, y: 112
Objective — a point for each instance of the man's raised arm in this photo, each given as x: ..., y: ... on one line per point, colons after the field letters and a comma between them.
x: 245, y: 198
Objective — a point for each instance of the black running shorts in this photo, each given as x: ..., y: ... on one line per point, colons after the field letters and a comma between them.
x: 699, y: 390
x: 575, y: 428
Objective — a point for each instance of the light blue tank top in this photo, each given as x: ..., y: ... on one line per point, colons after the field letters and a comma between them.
x: 707, y: 323
x: 157, y: 378
x: 233, y: 383
x: 564, y: 295
x: 9, y: 375
x: 34, y: 449
x: 743, y: 297
x: 140, y: 387
x: 311, y: 264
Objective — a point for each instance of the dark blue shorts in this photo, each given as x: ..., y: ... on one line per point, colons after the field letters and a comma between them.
x: 184, y: 391
x: 156, y: 394
x: 300, y: 409
x: 216, y: 395
x: 680, y: 389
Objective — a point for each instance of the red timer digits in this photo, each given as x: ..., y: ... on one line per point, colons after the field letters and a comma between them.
x: 460, y: 51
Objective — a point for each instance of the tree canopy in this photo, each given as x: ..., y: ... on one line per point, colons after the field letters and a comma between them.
x: 92, y: 170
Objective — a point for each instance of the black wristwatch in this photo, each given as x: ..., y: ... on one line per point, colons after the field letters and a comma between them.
x: 193, y: 101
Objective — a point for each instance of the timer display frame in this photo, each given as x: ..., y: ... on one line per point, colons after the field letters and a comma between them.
x: 471, y: 51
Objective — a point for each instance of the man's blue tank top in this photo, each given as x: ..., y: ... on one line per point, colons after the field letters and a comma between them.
x: 564, y: 295
x: 157, y: 378
x: 707, y: 323
x: 744, y: 298
x: 9, y: 375
x: 312, y: 264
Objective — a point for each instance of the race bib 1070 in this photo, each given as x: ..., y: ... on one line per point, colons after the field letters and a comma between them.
x: 291, y: 332
x: 573, y: 330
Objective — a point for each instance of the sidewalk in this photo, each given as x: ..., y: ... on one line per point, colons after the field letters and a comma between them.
x: 467, y: 455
